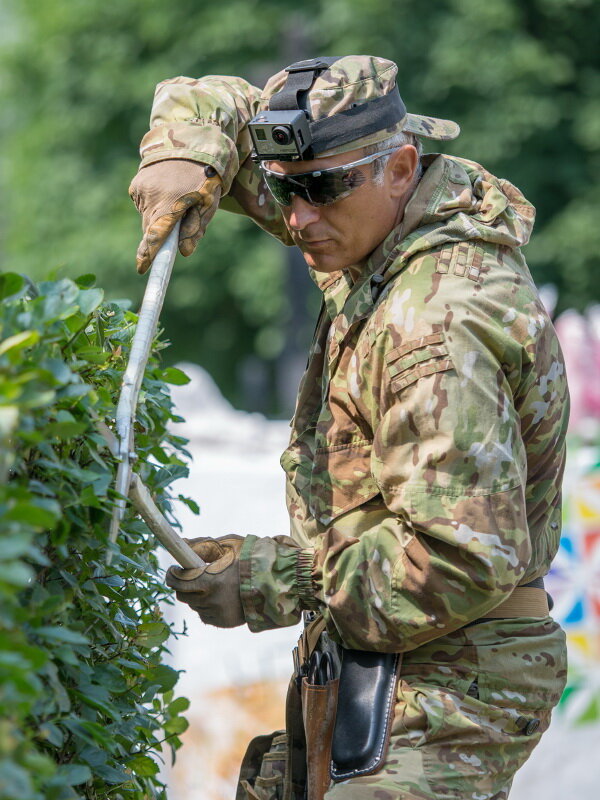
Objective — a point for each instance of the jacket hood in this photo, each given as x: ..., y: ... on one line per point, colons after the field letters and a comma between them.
x: 460, y: 200
x: 457, y: 201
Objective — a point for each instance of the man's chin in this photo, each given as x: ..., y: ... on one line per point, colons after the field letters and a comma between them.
x: 322, y: 263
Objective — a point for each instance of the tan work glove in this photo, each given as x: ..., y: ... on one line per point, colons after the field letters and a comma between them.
x: 214, y: 591
x: 166, y: 191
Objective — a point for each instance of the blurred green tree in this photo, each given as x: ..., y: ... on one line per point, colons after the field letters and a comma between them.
x: 520, y: 76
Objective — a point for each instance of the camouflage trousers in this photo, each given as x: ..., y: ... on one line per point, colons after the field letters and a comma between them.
x: 472, y: 706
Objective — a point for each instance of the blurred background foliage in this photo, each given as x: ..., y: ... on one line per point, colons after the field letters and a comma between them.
x: 521, y: 77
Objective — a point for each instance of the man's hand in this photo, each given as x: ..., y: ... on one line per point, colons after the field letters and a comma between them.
x: 166, y: 191
x: 214, y: 592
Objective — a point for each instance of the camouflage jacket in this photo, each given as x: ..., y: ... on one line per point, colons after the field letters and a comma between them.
x: 428, y: 443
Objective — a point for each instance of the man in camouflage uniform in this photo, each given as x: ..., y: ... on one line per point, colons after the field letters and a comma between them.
x: 427, y: 447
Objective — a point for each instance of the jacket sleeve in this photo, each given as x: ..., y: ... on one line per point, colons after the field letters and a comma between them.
x: 206, y: 120
x: 452, y: 539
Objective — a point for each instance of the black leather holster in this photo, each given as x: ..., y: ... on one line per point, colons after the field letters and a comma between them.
x: 346, y: 719
x: 366, y: 702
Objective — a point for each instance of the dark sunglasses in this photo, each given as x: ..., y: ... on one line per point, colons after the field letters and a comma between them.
x: 322, y: 187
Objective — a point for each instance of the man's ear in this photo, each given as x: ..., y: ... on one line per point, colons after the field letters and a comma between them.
x: 401, y: 168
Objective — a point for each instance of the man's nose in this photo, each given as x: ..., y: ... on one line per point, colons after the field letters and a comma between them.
x: 301, y: 213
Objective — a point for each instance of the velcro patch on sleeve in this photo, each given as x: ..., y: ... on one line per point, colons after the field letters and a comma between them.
x: 414, y: 344
x: 464, y: 259
x: 416, y: 359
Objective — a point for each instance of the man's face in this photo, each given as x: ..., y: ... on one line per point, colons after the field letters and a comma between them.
x: 345, y: 233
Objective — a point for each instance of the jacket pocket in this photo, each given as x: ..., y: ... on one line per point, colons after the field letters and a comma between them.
x: 341, y: 480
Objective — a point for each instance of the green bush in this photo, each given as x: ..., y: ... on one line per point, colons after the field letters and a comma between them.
x: 85, y: 698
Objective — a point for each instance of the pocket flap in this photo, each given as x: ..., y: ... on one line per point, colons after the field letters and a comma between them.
x: 341, y: 480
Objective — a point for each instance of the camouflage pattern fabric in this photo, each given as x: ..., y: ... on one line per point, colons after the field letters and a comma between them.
x: 471, y: 707
x: 425, y: 461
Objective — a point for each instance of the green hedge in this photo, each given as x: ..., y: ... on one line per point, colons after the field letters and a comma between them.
x: 84, y: 696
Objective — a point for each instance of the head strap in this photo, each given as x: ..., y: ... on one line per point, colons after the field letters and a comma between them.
x: 362, y: 120
x: 301, y: 77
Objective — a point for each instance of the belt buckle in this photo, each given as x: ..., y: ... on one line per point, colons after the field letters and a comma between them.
x: 308, y: 617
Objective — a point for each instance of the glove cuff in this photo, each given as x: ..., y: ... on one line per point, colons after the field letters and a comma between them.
x: 204, y: 143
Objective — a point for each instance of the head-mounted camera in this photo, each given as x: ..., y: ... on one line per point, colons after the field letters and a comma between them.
x: 285, y: 132
x: 280, y: 135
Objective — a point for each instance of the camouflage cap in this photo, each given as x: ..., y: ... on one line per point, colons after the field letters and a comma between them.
x: 352, y: 81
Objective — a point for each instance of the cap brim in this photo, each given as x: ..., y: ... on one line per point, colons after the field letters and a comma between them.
x: 431, y: 128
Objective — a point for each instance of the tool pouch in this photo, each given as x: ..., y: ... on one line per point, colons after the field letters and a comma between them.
x: 366, y: 702
x: 319, y: 703
x: 263, y: 770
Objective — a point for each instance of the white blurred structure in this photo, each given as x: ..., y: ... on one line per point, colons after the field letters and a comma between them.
x: 579, y: 336
x: 239, y: 485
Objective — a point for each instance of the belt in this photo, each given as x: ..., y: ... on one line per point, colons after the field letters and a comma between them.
x: 528, y: 600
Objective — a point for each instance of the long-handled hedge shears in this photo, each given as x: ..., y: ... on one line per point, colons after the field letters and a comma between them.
x: 128, y: 484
